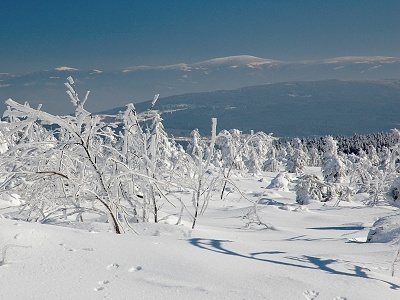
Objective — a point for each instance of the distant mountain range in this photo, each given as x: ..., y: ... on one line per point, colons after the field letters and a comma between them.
x: 302, y: 109
x: 139, y: 83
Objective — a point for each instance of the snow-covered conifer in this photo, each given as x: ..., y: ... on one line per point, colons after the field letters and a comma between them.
x: 332, y: 167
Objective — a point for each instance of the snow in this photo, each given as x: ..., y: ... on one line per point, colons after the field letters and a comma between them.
x: 180, y: 66
x: 232, y: 61
x: 372, y: 68
x: 237, y: 60
x: 386, y: 230
x: 362, y: 59
x: 65, y: 68
x: 95, y: 71
x: 310, y: 252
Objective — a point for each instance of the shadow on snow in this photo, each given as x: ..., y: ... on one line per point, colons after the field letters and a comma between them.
x: 305, y: 261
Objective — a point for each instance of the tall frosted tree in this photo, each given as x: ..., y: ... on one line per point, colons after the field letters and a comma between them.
x: 333, y: 168
x: 296, y: 159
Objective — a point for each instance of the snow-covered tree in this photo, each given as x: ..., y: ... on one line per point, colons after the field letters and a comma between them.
x: 297, y: 160
x: 332, y: 167
x: 314, y: 158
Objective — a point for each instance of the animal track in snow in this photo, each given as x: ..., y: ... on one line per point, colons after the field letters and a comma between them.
x: 100, y: 288
x: 67, y: 248
x: 113, y: 266
x: 135, y: 269
x: 88, y: 249
x: 340, y: 298
x: 310, y: 295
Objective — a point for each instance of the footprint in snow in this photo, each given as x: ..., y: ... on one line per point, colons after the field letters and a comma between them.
x: 134, y: 269
x: 100, y: 288
x: 310, y: 295
x: 340, y: 298
x: 88, y: 249
x: 113, y: 266
x: 66, y: 248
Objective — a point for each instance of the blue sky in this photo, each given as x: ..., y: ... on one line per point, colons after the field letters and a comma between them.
x: 105, y: 34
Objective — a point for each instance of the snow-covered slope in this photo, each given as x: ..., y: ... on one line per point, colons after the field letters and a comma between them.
x: 311, y: 252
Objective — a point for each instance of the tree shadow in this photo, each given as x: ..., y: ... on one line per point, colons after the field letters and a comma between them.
x: 307, y: 239
x: 217, y: 246
x: 317, y: 263
x: 338, y: 228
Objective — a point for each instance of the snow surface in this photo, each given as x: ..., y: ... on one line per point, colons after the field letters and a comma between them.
x: 309, y: 252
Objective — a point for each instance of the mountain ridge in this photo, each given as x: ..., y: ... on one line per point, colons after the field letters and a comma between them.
x: 116, y: 88
x: 288, y: 109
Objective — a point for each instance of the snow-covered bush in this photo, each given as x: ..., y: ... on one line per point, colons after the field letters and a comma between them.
x: 231, y: 144
x: 242, y: 152
x: 202, y: 183
x: 361, y: 175
x: 385, y: 183
x: 394, y: 192
x: 86, y: 165
x: 280, y: 182
x: 271, y: 165
x: 257, y: 149
x: 296, y: 162
x: 385, y: 230
x: 196, y: 147
x: 310, y: 187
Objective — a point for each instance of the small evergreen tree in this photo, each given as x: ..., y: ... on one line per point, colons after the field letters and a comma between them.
x: 332, y: 167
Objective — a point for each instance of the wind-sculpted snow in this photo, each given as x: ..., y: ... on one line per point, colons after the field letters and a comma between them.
x: 221, y: 259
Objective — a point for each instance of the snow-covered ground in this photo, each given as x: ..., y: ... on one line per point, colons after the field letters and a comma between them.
x: 315, y: 251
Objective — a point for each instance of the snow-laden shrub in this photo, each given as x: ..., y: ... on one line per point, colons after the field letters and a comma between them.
x: 394, y: 192
x: 87, y: 165
x: 280, y: 182
x: 271, y: 165
x: 231, y: 144
x: 242, y: 152
x: 385, y: 230
x: 339, y: 193
x: 296, y: 162
x: 196, y: 147
x: 310, y: 187
x: 362, y: 175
